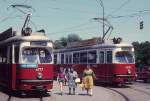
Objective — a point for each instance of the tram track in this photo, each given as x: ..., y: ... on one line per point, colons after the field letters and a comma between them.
x: 126, y: 98
x: 10, y: 97
x: 125, y: 95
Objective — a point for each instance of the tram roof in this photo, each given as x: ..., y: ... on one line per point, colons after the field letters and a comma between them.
x: 35, y: 36
x: 106, y: 44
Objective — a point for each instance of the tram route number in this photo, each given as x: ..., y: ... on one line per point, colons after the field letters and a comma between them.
x: 128, y: 67
x: 39, y: 69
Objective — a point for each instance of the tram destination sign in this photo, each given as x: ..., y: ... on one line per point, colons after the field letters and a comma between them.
x: 38, y: 43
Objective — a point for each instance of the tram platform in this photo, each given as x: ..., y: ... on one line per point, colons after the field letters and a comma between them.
x: 99, y: 94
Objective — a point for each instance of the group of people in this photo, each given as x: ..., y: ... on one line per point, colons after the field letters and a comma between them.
x: 70, y: 76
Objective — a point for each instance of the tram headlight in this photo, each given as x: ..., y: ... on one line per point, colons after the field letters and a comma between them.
x: 39, y: 75
x: 129, y: 71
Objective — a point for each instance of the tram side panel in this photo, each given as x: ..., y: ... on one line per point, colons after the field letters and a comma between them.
x: 106, y: 73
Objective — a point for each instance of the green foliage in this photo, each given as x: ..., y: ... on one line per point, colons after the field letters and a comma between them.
x: 64, y: 40
x: 142, y: 53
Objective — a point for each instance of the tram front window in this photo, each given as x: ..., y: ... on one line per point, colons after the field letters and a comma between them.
x: 124, y: 57
x: 36, y: 55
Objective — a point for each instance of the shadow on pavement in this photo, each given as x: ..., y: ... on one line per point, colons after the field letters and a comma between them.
x: 62, y: 94
x: 83, y: 94
x: 31, y: 94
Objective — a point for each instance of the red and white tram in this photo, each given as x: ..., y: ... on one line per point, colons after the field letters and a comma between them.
x: 112, y: 61
x: 26, y: 60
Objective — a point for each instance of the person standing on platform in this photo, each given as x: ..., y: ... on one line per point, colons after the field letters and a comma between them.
x: 61, y: 79
x: 72, y: 75
x: 87, y: 79
x: 66, y: 71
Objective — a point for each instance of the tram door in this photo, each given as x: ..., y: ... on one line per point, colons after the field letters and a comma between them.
x: 15, y: 62
x: 102, y: 65
x: 108, y: 68
x: 7, y: 66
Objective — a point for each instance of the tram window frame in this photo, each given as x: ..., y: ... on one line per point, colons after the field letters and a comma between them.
x: 92, y: 52
x: 83, y: 59
x: 101, y: 57
x: 55, y: 58
x: 76, y: 57
x: 109, y: 56
x: 62, y: 58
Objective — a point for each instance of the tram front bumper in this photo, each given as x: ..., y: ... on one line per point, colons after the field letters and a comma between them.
x: 38, y: 85
x: 124, y: 78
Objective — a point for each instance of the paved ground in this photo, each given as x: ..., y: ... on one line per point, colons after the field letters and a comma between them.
x: 138, y: 91
x: 99, y: 94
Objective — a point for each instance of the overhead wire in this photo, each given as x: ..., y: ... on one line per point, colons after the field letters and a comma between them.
x: 70, y: 10
x: 74, y: 28
x: 143, y: 12
x: 109, y: 15
x: 119, y: 8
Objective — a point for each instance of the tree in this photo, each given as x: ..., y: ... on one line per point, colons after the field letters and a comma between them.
x: 142, y: 53
x: 64, y: 40
x: 73, y: 38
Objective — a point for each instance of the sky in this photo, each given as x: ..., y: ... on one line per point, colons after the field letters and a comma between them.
x: 62, y: 17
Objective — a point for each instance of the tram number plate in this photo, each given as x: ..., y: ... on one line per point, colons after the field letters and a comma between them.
x: 39, y: 69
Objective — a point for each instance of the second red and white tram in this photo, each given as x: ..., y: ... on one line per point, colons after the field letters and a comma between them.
x: 112, y: 61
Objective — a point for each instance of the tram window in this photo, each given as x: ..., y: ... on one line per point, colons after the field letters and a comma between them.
x: 0, y: 55
x: 11, y: 54
x: 92, y: 57
x: 83, y: 57
x: 36, y: 55
x: 29, y: 55
x: 55, y: 58
x: 62, y: 58
x: 101, y: 57
x: 70, y: 58
x: 124, y: 57
x: 3, y: 55
x: 0, y: 59
x: 16, y: 54
x: 45, y: 56
x: 67, y: 58
x: 76, y: 57
x: 109, y: 56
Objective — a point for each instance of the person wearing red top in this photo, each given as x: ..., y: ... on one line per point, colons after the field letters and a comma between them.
x: 61, y: 79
